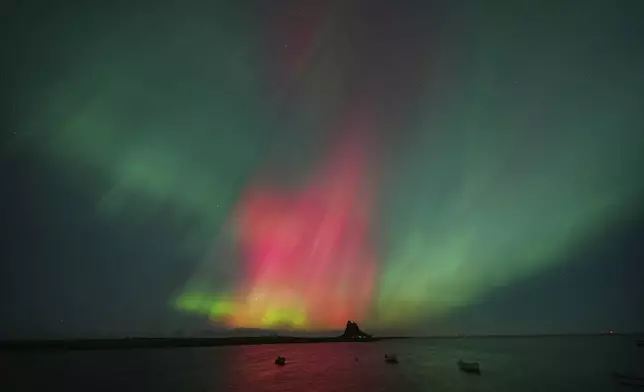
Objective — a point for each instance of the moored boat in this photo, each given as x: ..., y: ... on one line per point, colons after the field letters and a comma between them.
x: 469, y: 367
x: 391, y: 358
x: 629, y: 379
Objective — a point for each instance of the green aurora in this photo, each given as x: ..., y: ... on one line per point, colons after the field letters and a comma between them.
x: 529, y: 147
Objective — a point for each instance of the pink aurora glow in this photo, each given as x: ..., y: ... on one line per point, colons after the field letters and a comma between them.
x: 307, y: 257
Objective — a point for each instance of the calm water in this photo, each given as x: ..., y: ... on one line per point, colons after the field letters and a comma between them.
x: 511, y: 364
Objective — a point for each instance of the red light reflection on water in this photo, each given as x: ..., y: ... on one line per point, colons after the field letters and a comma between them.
x: 309, y: 367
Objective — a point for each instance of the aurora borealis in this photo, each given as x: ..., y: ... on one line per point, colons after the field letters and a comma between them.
x: 299, y: 164
x: 308, y: 260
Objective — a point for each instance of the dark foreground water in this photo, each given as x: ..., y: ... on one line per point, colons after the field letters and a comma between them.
x: 508, y: 364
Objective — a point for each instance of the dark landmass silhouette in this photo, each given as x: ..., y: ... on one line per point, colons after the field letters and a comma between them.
x: 534, y: 335
x: 352, y: 333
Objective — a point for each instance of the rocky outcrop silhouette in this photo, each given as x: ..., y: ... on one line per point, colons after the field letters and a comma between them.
x: 352, y: 331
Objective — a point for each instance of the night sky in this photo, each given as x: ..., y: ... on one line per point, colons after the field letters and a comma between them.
x: 176, y: 167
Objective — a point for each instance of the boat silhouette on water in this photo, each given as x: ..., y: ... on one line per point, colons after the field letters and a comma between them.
x: 629, y: 379
x: 391, y: 358
x: 469, y: 367
x: 280, y: 361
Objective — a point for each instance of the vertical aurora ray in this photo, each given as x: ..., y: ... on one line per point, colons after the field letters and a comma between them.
x: 471, y: 214
x: 305, y: 255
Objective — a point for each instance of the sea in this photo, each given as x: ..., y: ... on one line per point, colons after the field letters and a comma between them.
x: 507, y: 364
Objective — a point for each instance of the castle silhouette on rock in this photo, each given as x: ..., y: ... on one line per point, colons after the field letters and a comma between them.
x: 352, y: 331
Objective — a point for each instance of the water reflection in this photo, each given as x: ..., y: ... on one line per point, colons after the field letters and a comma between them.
x: 329, y: 367
x: 539, y: 364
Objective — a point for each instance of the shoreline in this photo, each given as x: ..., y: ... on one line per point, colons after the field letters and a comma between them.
x: 149, y: 343
x: 142, y: 343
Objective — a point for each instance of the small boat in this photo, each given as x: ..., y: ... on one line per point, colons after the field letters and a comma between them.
x: 640, y: 343
x: 280, y: 361
x: 391, y: 358
x: 469, y: 367
x: 629, y: 379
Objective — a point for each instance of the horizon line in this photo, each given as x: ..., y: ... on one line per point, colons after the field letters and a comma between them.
x: 271, y: 335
